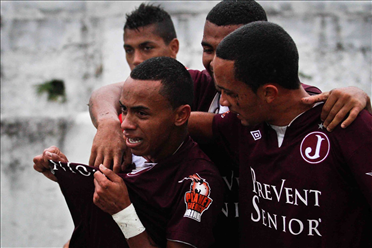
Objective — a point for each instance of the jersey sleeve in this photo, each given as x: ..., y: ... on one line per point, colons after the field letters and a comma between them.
x: 356, y: 145
x: 196, y: 208
x: 312, y: 90
x: 226, y: 132
x: 204, y: 90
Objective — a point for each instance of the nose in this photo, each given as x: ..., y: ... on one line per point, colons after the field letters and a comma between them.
x: 138, y: 58
x: 223, y: 100
x: 128, y: 122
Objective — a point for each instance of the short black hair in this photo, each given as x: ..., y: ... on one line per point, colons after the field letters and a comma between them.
x: 147, y: 14
x: 236, y: 13
x: 178, y: 86
x: 263, y: 53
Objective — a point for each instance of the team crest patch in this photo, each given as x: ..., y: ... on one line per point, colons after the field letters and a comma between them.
x: 315, y: 147
x: 197, y: 200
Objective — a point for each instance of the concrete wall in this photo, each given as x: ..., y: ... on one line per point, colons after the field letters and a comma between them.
x: 81, y: 43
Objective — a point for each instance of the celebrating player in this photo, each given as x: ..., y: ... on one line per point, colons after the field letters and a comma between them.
x: 300, y: 185
x: 176, y: 193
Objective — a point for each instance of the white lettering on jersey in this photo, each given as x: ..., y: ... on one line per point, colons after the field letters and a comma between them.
x: 283, y: 194
x: 77, y: 168
x: 256, y: 134
x: 315, y: 147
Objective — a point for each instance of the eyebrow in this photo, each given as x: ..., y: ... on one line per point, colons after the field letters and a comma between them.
x: 219, y: 88
x: 134, y: 108
x: 203, y: 43
x: 141, y: 44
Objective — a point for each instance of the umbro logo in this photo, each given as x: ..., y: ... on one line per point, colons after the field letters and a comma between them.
x: 256, y: 134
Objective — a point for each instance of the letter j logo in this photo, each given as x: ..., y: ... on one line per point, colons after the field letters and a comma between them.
x: 315, y: 147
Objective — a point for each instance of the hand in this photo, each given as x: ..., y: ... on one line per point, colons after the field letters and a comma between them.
x: 110, y: 194
x: 41, y: 162
x: 339, y: 103
x: 109, y: 146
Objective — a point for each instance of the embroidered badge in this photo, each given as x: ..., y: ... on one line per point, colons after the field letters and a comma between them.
x: 315, y: 147
x: 256, y: 134
x: 197, y: 200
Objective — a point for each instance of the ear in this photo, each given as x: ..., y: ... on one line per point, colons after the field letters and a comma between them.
x: 269, y: 92
x: 174, y: 46
x: 182, y: 115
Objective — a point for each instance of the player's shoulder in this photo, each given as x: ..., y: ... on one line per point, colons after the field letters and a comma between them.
x: 200, y: 76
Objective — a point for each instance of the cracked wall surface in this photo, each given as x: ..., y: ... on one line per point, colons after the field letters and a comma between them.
x: 80, y: 42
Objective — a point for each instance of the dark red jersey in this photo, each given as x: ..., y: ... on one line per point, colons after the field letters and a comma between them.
x: 313, y: 191
x: 176, y: 199
x: 228, y: 221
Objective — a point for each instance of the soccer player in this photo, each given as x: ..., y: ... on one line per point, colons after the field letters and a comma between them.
x: 300, y: 185
x: 148, y: 32
x: 176, y: 193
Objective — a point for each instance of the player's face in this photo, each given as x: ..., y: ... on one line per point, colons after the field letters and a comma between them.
x: 212, y: 36
x: 148, y: 119
x: 143, y: 44
x: 237, y: 95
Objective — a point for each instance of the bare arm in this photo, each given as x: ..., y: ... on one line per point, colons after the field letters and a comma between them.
x: 339, y: 103
x: 200, y: 126
x: 104, y: 103
x: 108, y: 143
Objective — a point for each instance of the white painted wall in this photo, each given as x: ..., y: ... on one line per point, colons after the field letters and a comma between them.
x: 74, y: 40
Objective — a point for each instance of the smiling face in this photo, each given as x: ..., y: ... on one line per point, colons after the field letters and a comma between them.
x: 144, y: 43
x: 237, y: 95
x: 212, y: 36
x: 148, y: 119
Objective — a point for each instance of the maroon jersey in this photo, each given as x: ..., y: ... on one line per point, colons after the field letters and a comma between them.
x: 204, y: 90
x: 228, y: 220
x: 313, y: 191
x: 177, y: 199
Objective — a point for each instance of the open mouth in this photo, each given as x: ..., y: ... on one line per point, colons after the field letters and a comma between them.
x: 134, y: 140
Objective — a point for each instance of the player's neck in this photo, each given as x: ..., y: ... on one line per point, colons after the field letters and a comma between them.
x: 288, y: 107
x: 169, y: 149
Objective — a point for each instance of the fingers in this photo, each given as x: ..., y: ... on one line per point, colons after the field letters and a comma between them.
x: 342, y: 102
x: 92, y: 157
x: 315, y: 98
x: 333, y: 113
x: 352, y: 116
x: 110, y: 174
x: 53, y: 153
x: 107, y: 161
x: 335, y: 117
x: 41, y: 162
x: 117, y: 163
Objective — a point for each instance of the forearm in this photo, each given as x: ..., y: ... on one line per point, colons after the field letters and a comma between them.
x: 200, y: 126
x: 104, y: 103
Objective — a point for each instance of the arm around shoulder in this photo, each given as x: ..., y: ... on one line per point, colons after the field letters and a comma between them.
x: 200, y: 126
